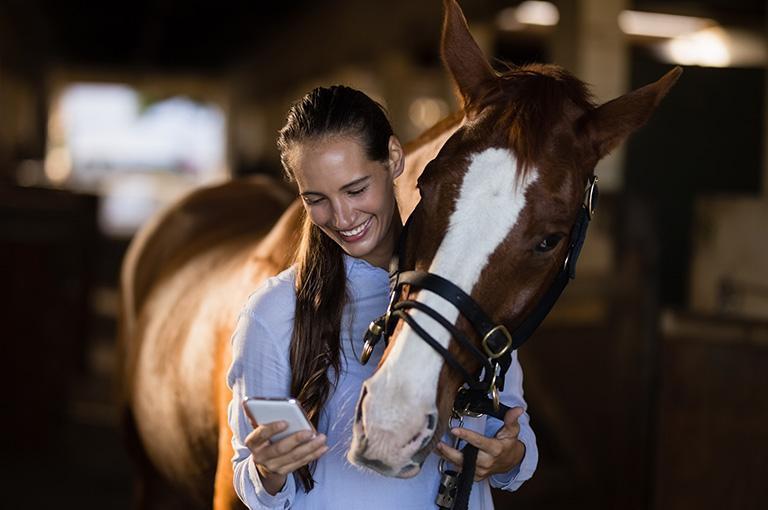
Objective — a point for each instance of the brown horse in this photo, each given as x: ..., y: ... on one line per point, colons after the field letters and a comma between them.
x: 497, y: 211
x: 188, y: 273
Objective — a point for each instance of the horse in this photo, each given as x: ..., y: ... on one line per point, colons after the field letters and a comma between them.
x: 500, y: 222
x: 189, y: 271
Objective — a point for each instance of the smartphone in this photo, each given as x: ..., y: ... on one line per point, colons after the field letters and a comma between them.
x: 266, y: 410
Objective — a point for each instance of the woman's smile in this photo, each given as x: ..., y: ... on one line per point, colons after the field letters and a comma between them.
x: 358, y: 233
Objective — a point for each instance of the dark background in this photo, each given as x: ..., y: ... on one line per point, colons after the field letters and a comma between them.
x: 638, y: 399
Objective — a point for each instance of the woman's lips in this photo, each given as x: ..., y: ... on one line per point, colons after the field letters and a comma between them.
x: 355, y: 234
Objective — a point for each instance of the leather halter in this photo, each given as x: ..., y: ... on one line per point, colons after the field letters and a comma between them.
x: 473, y: 397
x: 497, y: 342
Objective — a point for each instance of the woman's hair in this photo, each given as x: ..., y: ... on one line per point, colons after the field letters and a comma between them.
x: 321, y: 289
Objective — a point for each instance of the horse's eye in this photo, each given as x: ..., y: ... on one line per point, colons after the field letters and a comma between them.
x: 548, y: 243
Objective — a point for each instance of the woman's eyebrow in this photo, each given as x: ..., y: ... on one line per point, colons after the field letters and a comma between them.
x: 355, y: 183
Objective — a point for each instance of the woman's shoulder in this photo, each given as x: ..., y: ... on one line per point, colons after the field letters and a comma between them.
x: 273, y: 302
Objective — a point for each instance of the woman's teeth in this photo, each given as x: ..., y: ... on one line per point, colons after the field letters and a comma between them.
x: 356, y: 230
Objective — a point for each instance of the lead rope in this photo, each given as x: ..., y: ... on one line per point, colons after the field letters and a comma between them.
x: 466, y: 478
x: 455, y: 488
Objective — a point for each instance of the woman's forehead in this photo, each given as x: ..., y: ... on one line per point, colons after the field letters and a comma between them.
x: 330, y: 164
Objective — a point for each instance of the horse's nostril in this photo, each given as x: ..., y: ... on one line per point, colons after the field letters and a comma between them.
x: 359, y: 415
x: 431, y: 421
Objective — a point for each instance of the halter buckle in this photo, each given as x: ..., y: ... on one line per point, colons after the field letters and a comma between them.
x: 495, y: 396
x: 590, y: 196
x: 372, y: 337
x: 366, y: 354
x: 498, y: 329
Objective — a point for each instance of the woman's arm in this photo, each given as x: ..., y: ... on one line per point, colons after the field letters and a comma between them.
x: 260, y: 367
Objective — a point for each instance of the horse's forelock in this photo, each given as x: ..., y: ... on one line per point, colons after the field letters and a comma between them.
x: 530, y: 102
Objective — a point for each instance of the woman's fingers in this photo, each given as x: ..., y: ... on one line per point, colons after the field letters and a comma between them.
x: 260, y: 436
x: 484, y: 444
x: 294, y: 447
x: 313, y: 455
x: 283, y: 462
x: 450, y: 454
x: 288, y: 444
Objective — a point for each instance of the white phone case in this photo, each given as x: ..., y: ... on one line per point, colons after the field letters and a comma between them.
x: 266, y: 410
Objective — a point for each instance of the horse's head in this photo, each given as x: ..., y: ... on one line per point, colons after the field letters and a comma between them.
x: 498, y: 207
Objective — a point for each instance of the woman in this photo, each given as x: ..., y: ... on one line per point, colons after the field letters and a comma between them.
x: 301, y: 332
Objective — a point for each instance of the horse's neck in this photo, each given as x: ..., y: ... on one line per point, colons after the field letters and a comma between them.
x: 418, y: 154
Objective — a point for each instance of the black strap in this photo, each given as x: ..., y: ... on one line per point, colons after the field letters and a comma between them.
x: 451, y: 293
x: 477, y: 401
x: 433, y: 343
x: 578, y: 233
x: 466, y: 477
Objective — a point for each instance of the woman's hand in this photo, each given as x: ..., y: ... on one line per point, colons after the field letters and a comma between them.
x: 495, y: 454
x: 275, y: 461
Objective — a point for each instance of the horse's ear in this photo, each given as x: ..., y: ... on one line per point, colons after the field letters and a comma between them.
x: 461, y: 54
x: 610, y: 124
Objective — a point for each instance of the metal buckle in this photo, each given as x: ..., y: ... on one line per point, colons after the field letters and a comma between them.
x: 494, y: 389
x: 372, y: 337
x: 366, y: 354
x: 590, y: 197
x: 488, y: 351
x: 441, y: 464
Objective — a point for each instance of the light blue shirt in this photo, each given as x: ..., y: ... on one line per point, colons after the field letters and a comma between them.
x: 261, y: 367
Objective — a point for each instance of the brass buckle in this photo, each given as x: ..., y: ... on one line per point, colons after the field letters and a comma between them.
x: 488, y: 351
x: 494, y: 389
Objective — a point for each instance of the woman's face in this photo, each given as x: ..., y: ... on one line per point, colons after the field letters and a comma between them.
x: 348, y: 196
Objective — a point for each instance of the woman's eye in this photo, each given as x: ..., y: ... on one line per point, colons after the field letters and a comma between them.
x: 312, y: 201
x: 357, y: 191
x: 548, y: 243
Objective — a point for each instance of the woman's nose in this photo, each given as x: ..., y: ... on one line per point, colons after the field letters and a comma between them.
x: 342, y: 215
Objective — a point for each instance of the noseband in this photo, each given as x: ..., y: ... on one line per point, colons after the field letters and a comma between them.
x: 479, y: 394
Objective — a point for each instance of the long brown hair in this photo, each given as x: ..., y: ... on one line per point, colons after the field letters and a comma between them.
x: 321, y: 289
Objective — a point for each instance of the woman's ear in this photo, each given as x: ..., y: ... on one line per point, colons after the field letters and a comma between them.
x: 396, y: 157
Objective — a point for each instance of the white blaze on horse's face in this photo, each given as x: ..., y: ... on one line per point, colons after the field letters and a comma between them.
x: 399, y: 413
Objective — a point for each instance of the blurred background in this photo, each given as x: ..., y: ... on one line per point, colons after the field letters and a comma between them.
x: 647, y: 386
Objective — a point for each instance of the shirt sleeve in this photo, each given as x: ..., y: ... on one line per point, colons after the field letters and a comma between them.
x: 260, y: 367
x: 513, y: 397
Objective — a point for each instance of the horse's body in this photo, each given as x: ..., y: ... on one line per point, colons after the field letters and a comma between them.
x: 187, y: 275
x: 184, y: 278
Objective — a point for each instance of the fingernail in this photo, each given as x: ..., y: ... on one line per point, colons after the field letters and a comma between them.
x: 456, y: 432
